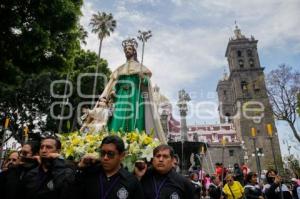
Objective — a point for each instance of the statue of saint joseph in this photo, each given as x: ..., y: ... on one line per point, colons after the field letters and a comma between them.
x: 129, y: 96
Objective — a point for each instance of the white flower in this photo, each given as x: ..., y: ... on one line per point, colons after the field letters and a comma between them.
x: 147, y: 153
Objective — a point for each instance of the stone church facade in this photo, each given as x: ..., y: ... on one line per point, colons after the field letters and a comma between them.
x: 244, y: 101
x: 244, y: 111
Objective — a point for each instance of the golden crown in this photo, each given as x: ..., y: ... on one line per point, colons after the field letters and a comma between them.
x: 130, y: 42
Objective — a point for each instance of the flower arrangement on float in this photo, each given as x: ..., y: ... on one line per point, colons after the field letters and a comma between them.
x: 138, y: 145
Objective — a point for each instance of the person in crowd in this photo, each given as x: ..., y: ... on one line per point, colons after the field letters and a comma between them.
x: 12, y: 160
x: 296, y: 180
x: 263, y: 175
x: 215, y: 188
x: 51, y: 177
x: 221, y: 171
x: 274, y: 189
x: 12, y: 178
x: 105, y: 178
x: 206, y: 181
x: 194, y: 178
x: 245, y: 170
x: 252, y: 189
x: 233, y: 189
x: 295, y: 188
x: 238, y: 173
x: 160, y: 180
x: 176, y: 163
x: 218, y: 169
x: 201, y: 174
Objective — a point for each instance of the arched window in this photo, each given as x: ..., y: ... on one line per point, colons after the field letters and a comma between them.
x: 241, y: 63
x: 224, y: 94
x: 227, y: 118
x: 244, y: 86
x: 239, y: 53
x: 231, y: 152
x: 251, y: 63
x: 249, y: 53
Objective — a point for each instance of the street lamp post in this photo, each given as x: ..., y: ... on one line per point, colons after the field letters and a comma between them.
x: 223, y: 150
x: 245, y: 153
x: 253, y: 134
x: 183, y: 109
x: 246, y: 159
x: 259, y: 155
x: 270, y: 136
x: 200, y: 158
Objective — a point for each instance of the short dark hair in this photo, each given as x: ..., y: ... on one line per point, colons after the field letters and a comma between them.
x: 57, y: 141
x: 34, y: 146
x: 213, y: 177
x: 249, y: 176
x: 271, y: 170
x: 116, y: 140
x: 176, y: 156
x: 270, y: 179
x: 164, y: 147
x: 193, y: 173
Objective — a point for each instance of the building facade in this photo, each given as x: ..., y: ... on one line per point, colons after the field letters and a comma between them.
x: 243, y: 101
x: 244, y: 109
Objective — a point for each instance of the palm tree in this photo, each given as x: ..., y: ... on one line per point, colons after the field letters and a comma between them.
x: 103, y: 25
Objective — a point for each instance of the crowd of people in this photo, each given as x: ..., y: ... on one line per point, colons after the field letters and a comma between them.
x: 38, y: 171
x: 241, y: 183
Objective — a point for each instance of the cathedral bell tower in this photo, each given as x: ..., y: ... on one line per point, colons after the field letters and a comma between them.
x: 244, y: 101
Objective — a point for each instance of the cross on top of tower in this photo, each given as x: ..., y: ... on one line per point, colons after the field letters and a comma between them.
x: 237, y: 32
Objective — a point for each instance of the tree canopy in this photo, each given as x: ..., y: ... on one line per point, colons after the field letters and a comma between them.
x: 103, y: 24
x: 283, y: 87
x: 36, y: 36
x: 39, y: 43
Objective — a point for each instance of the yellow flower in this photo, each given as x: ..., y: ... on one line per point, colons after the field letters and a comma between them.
x: 133, y: 148
x: 132, y: 137
x: 75, y: 141
x: 137, y: 144
x: 147, y: 140
x: 69, y: 151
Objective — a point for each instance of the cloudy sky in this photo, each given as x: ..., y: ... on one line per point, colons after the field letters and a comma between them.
x: 190, y: 38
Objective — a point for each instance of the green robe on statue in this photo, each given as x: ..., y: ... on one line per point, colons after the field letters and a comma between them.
x: 132, y: 110
x: 129, y: 109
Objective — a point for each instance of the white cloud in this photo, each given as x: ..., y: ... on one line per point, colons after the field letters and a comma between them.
x: 177, y: 55
x: 190, y: 36
x: 177, y: 2
x: 191, y: 48
x: 176, y: 59
x: 274, y: 22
